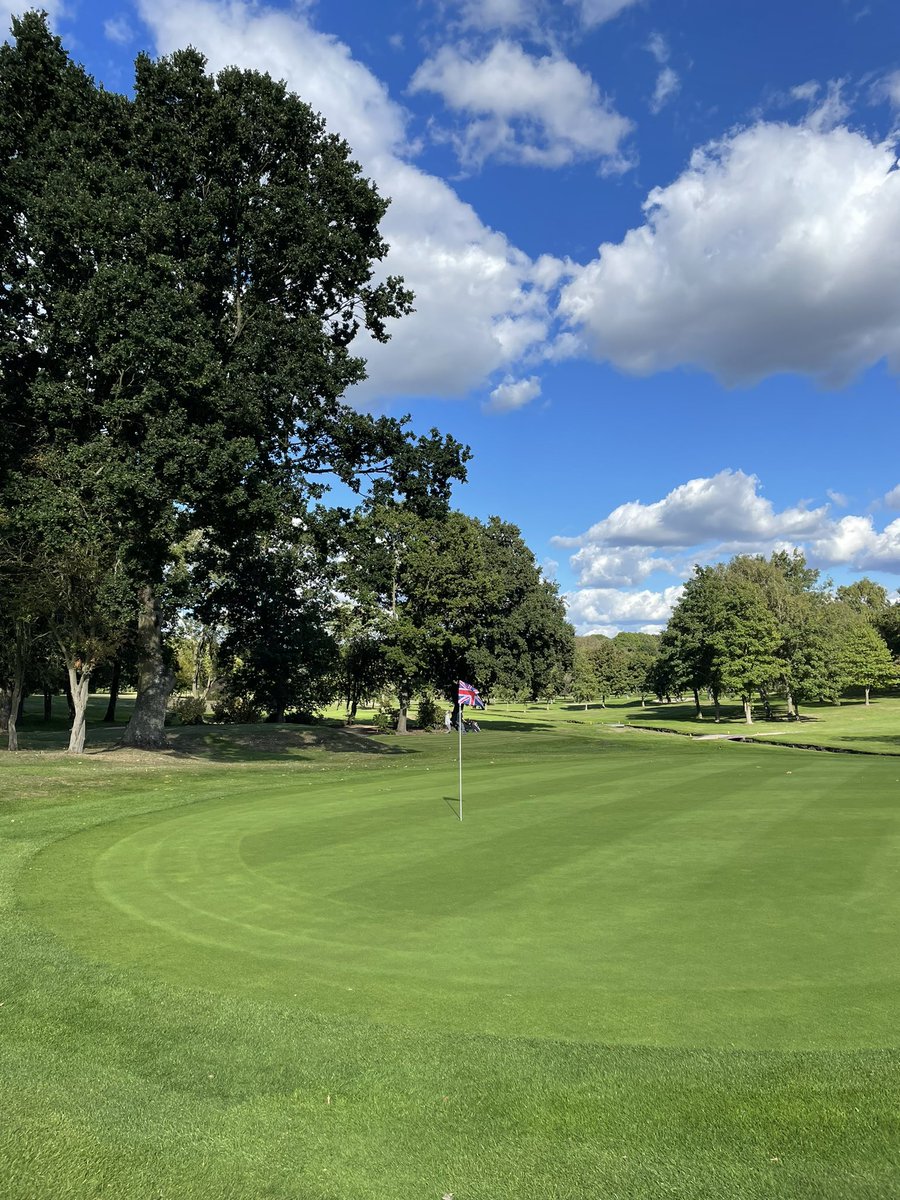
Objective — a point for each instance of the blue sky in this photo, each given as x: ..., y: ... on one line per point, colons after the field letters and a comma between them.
x: 655, y: 246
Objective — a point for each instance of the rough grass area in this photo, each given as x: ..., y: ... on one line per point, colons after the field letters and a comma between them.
x: 640, y: 967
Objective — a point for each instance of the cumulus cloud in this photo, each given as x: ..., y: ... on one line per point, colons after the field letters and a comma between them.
x: 837, y: 498
x: 514, y: 393
x: 608, y: 610
x: 480, y: 303
x: 724, y: 507
x: 854, y: 541
x: 706, y: 521
x: 620, y: 567
x: 538, y: 111
x: 777, y: 250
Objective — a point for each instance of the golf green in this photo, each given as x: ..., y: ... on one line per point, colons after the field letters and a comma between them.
x: 601, y: 889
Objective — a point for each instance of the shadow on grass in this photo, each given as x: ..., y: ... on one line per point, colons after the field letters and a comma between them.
x: 494, y: 724
x: 268, y: 743
x: 452, y: 803
x: 224, y: 743
x: 888, y: 739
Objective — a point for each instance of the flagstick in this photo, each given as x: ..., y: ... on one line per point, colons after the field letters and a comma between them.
x: 459, y: 721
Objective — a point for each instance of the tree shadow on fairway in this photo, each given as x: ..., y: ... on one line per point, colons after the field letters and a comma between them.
x: 511, y: 724
x: 267, y: 743
x: 888, y: 740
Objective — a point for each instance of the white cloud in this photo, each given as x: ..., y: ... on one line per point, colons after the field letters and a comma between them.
x: 480, y: 303
x: 854, y: 542
x: 53, y: 8
x: 514, y: 393
x: 726, y: 506
x: 499, y: 14
x: 710, y: 520
x: 778, y: 249
x: 536, y: 111
x: 597, y: 12
x: 621, y: 567
x: 805, y: 92
x: 667, y: 85
x: 837, y: 498
x: 832, y: 110
x: 659, y: 48
x: 118, y: 30
x: 596, y: 610
x: 888, y: 89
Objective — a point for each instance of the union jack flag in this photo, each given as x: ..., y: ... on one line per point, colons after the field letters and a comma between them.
x: 468, y: 695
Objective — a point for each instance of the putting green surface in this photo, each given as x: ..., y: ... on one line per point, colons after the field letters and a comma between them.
x: 600, y: 889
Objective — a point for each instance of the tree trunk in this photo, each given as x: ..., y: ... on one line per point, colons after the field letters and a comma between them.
x: 715, y: 697
x: 80, y: 689
x: 110, y: 716
x: 789, y: 702
x: 15, y: 708
x: 48, y: 704
x: 70, y: 703
x: 867, y: 695
x: 698, y: 711
x: 146, y: 729
x: 401, y: 717
x: 748, y: 710
x: 4, y: 710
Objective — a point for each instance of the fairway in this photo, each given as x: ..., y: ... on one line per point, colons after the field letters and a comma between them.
x: 278, y: 966
x: 601, y: 890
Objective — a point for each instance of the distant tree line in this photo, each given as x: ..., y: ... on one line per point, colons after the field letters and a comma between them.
x: 754, y: 629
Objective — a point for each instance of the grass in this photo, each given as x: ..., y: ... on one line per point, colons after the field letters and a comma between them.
x: 273, y: 964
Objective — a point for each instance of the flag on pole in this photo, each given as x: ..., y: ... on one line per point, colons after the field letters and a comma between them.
x: 465, y: 695
x: 468, y: 695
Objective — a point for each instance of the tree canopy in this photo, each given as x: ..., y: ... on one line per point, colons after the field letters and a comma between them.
x: 185, y: 271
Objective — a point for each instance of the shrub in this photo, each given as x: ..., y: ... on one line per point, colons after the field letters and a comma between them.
x: 235, y: 710
x: 429, y: 714
x: 189, y: 710
x: 385, y: 720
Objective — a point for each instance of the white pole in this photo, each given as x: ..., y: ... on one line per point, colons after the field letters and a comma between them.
x: 459, y: 726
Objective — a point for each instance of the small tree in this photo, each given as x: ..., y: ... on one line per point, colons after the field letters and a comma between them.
x: 584, y: 682
x: 748, y: 657
x: 865, y: 660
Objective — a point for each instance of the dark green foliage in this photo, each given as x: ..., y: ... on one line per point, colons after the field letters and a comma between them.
x: 277, y: 654
x: 429, y: 713
x: 190, y: 710
x: 439, y: 600
x: 185, y: 271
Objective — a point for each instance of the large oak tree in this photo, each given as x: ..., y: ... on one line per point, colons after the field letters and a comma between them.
x: 184, y: 273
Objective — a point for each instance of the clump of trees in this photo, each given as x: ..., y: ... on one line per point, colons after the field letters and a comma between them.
x: 752, y: 629
x: 184, y: 272
x: 756, y: 627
